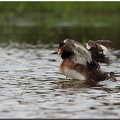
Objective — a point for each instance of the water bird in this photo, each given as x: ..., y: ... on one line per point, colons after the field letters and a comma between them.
x: 82, y: 62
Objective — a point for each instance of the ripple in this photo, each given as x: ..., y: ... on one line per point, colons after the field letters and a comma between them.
x: 29, y: 88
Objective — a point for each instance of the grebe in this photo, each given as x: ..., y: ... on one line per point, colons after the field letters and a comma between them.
x: 82, y: 62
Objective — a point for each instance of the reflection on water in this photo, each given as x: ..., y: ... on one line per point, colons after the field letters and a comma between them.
x: 29, y: 87
x: 49, y: 29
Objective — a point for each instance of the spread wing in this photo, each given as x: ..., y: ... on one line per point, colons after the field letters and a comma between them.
x: 81, y: 54
x: 106, y: 43
x: 99, y: 49
x: 93, y: 53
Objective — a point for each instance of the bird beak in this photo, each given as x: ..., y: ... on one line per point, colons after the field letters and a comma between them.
x: 55, y: 52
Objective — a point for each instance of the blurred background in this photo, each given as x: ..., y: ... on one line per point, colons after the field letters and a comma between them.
x: 52, y: 22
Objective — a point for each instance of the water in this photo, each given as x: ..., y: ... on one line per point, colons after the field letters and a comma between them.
x: 48, y: 28
x: 29, y: 87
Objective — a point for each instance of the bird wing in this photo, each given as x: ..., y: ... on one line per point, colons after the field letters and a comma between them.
x: 81, y: 54
x: 104, y: 45
x: 99, y: 49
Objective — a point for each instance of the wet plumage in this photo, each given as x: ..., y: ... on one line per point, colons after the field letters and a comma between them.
x: 82, y: 62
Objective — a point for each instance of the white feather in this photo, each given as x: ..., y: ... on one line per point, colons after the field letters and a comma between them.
x: 87, y: 46
x: 82, y: 55
x: 73, y: 74
x: 104, y: 49
x: 65, y: 41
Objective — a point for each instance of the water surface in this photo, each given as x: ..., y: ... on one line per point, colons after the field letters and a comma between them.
x: 29, y: 78
x: 48, y: 28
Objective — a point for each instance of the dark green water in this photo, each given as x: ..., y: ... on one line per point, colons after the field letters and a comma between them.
x: 47, y: 28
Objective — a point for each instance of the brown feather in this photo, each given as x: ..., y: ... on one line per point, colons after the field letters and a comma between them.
x: 107, y: 43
